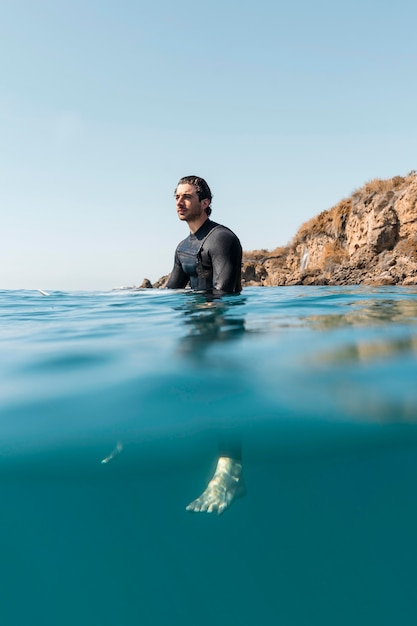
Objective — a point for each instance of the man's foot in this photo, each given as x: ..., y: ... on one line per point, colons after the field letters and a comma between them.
x: 226, y: 486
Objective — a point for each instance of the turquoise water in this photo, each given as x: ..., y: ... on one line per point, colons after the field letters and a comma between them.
x: 318, y: 382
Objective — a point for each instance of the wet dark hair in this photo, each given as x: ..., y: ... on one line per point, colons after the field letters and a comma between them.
x: 201, y: 187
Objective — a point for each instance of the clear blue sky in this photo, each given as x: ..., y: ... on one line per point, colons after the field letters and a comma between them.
x: 285, y: 108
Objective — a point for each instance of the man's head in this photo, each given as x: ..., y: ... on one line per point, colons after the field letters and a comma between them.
x: 201, y: 188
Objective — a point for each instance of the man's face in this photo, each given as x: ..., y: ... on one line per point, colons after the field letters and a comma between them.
x: 189, y: 207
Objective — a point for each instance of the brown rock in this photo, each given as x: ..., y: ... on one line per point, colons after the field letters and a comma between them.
x: 406, y: 209
x: 161, y: 282
x: 410, y: 280
x: 369, y: 238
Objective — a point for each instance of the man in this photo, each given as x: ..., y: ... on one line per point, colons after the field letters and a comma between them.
x: 210, y: 259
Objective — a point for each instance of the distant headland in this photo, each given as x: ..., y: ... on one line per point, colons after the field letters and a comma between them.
x: 369, y: 238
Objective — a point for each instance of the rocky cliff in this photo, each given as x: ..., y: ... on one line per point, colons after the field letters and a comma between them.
x: 368, y: 238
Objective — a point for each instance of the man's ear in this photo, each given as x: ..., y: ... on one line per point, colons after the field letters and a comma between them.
x: 205, y: 203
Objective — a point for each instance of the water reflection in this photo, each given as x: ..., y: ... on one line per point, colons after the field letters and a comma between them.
x: 373, y: 358
x: 366, y: 350
x: 394, y: 318
x: 209, y: 321
x: 367, y: 312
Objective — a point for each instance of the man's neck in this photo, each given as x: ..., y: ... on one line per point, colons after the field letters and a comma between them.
x: 194, y: 226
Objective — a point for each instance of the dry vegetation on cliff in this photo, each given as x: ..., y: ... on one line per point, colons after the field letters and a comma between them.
x: 368, y: 238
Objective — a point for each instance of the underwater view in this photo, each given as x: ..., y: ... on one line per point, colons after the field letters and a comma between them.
x: 112, y: 408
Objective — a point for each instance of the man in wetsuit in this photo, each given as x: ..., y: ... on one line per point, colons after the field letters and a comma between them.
x: 210, y: 259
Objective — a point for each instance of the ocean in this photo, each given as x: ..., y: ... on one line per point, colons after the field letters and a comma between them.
x: 112, y: 405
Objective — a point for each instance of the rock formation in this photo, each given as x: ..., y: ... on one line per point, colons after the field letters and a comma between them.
x: 369, y: 238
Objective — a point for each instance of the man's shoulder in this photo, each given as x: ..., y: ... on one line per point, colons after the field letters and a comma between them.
x: 219, y: 232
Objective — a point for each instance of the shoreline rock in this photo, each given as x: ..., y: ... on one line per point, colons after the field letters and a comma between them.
x: 369, y: 238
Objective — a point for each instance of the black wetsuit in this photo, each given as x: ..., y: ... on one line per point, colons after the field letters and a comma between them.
x: 209, y: 259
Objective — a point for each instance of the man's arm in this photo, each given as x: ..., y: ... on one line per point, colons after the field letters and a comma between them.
x: 178, y: 278
x: 226, y: 257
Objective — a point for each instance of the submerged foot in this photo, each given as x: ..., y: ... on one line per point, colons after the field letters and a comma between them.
x: 224, y: 488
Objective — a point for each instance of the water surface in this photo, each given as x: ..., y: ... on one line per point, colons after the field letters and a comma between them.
x: 320, y: 384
